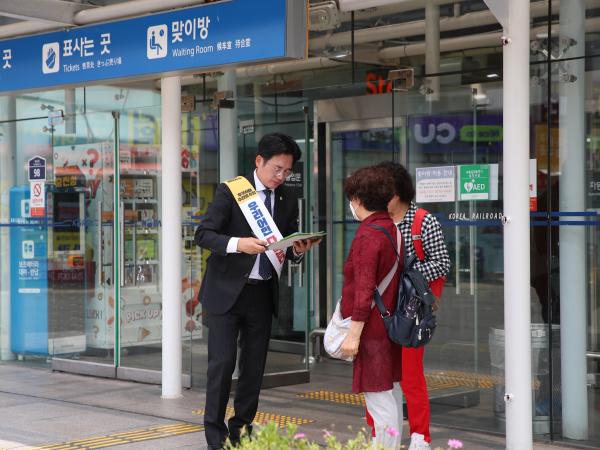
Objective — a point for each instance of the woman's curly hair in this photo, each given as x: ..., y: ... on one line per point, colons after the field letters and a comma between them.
x: 372, y: 186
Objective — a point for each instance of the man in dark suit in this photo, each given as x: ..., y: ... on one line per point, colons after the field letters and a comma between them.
x: 240, y: 288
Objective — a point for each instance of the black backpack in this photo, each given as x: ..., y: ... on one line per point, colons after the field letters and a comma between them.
x: 412, y: 324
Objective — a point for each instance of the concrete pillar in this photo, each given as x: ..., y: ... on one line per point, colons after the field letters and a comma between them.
x: 8, y: 150
x: 171, y: 237
x: 573, y: 271
x: 432, y: 48
x: 228, y: 126
x: 517, y: 315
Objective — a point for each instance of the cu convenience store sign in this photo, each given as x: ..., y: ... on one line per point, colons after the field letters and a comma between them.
x: 207, y: 36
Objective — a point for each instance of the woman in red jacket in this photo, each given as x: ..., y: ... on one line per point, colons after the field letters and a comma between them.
x: 378, y: 361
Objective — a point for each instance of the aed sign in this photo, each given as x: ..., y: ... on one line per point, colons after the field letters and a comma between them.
x: 474, y: 182
x: 37, y: 199
x: 37, y: 168
x: 206, y: 36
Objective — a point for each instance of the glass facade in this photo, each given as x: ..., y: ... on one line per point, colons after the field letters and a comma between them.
x: 81, y: 282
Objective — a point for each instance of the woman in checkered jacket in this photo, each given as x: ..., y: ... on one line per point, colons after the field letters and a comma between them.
x: 434, y: 268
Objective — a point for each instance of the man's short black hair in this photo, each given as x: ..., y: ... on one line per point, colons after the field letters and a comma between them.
x: 273, y: 144
x: 403, y: 184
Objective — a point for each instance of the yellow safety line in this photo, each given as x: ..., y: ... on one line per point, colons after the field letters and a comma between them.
x: 126, y: 437
x: 263, y: 418
x: 135, y: 434
x: 335, y: 397
x: 436, y: 381
x: 104, y: 445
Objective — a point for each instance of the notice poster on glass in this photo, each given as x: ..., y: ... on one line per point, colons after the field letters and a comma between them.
x: 533, y: 185
x: 436, y: 184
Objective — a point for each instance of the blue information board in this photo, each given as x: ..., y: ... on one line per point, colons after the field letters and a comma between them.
x: 28, y: 278
x: 206, y: 36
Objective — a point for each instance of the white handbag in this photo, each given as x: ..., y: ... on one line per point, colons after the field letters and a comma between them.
x: 337, y: 328
x: 335, y: 333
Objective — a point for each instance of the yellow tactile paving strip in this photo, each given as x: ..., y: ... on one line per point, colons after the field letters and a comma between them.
x: 335, y: 397
x: 128, y: 437
x: 264, y: 418
x: 463, y: 379
x: 435, y: 381
x: 466, y: 379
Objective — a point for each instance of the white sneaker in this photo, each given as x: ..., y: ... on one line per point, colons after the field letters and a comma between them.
x: 418, y: 442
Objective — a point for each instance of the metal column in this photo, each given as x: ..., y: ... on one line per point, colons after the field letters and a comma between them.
x: 8, y: 150
x: 171, y: 237
x: 517, y: 315
x: 573, y: 272
x: 228, y: 125
x: 70, y: 111
x: 432, y: 49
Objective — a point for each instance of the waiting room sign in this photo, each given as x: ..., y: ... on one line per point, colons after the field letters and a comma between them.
x: 212, y: 35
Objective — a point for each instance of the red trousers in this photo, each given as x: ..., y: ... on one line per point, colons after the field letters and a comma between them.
x: 414, y: 388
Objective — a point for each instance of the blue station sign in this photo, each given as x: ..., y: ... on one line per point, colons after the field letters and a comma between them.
x: 207, y: 36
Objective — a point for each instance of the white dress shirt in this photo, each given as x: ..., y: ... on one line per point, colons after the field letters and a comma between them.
x: 233, y: 242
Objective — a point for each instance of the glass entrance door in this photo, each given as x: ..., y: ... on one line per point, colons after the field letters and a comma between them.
x: 80, y: 254
x: 200, y: 177
x: 454, y: 153
x: 287, y: 360
x: 62, y: 295
x: 137, y: 213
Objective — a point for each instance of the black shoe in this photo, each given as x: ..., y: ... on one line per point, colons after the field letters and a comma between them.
x: 237, y: 434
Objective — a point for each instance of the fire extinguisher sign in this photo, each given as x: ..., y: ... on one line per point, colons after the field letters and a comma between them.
x: 37, y: 200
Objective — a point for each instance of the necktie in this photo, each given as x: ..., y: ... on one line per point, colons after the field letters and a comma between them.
x: 265, y: 269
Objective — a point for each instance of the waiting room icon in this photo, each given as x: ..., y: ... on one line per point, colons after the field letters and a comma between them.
x: 157, y: 42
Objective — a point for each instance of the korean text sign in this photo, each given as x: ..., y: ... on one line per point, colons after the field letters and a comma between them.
x: 210, y: 35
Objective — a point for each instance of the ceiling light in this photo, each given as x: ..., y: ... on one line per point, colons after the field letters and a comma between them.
x: 492, y: 75
x: 481, y: 99
x: 336, y: 52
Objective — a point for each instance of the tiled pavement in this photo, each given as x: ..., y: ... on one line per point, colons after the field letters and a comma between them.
x: 50, y: 410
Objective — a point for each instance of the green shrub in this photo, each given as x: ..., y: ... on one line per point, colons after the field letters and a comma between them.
x: 270, y: 437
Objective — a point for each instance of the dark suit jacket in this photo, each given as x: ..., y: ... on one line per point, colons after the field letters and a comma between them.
x: 227, y: 273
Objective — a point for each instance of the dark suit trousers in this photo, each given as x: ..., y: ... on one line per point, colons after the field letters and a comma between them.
x: 250, y: 319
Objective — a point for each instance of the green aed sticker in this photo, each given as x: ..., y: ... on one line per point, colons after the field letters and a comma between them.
x: 474, y: 182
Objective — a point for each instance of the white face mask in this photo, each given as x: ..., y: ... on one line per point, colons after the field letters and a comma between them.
x: 353, y: 211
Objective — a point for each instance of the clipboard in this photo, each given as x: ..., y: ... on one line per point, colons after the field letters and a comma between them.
x: 288, y: 241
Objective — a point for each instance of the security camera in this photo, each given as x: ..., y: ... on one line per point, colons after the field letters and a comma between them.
x: 505, y: 40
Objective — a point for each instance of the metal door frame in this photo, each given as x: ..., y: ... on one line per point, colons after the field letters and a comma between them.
x: 345, y: 114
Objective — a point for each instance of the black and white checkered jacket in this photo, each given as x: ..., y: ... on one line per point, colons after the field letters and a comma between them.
x: 437, y: 259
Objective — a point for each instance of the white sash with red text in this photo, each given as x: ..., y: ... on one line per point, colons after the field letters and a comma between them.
x: 258, y: 217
